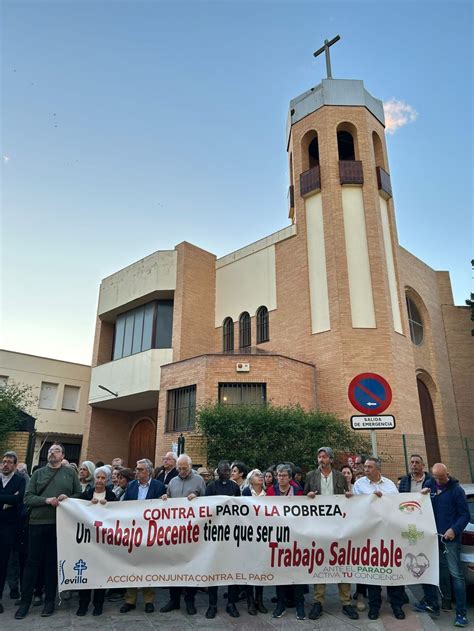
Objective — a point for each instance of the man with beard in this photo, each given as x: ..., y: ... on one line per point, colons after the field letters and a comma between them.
x: 48, y: 486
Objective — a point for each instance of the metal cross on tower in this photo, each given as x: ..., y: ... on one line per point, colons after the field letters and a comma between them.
x: 325, y: 49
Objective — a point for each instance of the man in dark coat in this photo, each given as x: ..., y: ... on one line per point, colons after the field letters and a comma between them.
x: 143, y: 488
x: 12, y: 490
x: 416, y: 479
x: 451, y: 512
x: 168, y: 471
x: 223, y: 486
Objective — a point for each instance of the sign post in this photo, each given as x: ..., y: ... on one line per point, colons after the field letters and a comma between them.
x: 371, y: 394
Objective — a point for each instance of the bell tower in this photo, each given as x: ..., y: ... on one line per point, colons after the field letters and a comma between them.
x: 340, y: 200
x: 340, y: 195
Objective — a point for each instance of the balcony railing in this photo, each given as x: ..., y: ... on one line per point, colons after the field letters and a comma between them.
x: 384, y: 183
x: 310, y: 181
x: 350, y: 172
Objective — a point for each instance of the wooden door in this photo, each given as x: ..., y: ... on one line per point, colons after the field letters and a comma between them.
x: 429, y: 424
x: 142, y: 442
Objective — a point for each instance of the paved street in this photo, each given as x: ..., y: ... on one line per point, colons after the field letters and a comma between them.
x: 332, y: 620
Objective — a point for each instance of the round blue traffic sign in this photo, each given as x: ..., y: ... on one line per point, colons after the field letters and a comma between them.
x: 370, y: 393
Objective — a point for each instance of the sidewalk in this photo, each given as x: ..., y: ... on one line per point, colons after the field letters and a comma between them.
x: 111, y: 620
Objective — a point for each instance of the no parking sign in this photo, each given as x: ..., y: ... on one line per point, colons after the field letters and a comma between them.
x: 370, y: 393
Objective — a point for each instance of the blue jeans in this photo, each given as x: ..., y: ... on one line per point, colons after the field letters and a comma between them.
x: 449, y: 559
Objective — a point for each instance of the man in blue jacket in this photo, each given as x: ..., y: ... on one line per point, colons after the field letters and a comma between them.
x: 451, y: 513
x: 143, y: 488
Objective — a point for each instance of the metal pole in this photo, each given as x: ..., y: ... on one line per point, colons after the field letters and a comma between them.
x: 468, y: 452
x: 405, y: 452
x: 373, y: 439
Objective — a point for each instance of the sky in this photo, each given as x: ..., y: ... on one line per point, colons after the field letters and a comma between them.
x: 128, y: 127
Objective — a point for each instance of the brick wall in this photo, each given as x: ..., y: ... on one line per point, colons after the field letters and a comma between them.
x: 18, y: 442
x: 288, y: 381
x: 194, y: 302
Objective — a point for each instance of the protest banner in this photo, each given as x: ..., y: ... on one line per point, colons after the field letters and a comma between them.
x: 388, y: 540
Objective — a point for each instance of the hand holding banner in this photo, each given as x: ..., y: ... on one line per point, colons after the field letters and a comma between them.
x: 388, y: 540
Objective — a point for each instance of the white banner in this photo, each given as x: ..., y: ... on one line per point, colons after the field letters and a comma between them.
x: 388, y: 540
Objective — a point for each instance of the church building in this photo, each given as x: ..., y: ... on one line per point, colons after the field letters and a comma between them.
x: 292, y: 317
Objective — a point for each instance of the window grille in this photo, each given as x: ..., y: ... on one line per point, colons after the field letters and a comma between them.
x: 181, y: 409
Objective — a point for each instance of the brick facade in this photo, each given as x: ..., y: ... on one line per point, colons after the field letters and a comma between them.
x: 316, y: 369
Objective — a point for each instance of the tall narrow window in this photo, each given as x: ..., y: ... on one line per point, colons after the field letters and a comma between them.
x: 245, y: 331
x: 181, y: 409
x: 48, y: 393
x: 263, y: 331
x: 228, y: 335
x: 70, y: 398
x: 415, y: 321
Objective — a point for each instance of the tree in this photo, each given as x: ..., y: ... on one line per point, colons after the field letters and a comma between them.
x: 262, y: 435
x: 15, y: 399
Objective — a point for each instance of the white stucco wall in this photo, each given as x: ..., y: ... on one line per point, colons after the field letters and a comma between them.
x: 392, y: 277
x: 131, y: 375
x: 245, y: 284
x: 318, y: 282
x: 33, y: 371
x: 358, y: 265
x: 156, y: 272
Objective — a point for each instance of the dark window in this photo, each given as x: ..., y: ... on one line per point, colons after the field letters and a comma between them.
x: 148, y: 326
x: 228, y: 335
x: 181, y: 409
x: 164, y: 324
x: 245, y: 331
x: 313, y: 153
x: 242, y: 393
x: 263, y: 331
x: 415, y: 321
x: 345, y: 145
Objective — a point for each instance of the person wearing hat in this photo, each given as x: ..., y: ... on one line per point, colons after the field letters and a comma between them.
x: 206, y: 475
x: 328, y: 481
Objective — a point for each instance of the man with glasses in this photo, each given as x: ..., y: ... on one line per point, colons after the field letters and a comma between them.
x: 168, y: 471
x: 143, y: 488
x: 12, y: 490
x: 186, y: 484
x: 375, y: 483
x: 286, y: 487
x: 48, y: 486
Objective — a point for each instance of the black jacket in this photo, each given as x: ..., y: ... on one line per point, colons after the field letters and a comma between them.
x: 88, y: 494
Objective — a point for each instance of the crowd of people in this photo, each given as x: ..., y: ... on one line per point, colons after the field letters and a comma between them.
x: 28, y: 553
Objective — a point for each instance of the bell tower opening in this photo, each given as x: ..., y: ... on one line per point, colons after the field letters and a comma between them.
x: 345, y: 145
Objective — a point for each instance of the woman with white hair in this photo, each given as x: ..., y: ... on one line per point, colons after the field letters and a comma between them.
x: 99, y: 493
x: 255, y: 484
x: 86, y: 475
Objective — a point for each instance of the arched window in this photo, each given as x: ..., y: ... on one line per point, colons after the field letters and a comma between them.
x: 245, y: 331
x: 345, y: 145
x: 228, y: 335
x: 378, y: 151
x: 263, y: 331
x: 415, y: 321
